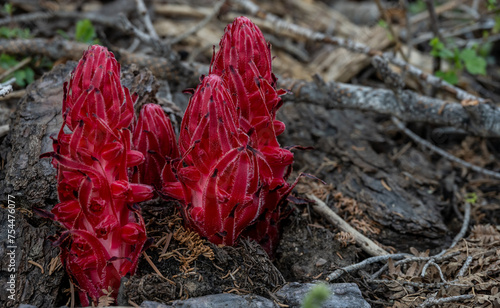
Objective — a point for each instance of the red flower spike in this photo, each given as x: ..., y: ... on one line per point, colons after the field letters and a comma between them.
x: 241, y: 43
x: 233, y: 171
x: 92, y: 153
x: 154, y: 137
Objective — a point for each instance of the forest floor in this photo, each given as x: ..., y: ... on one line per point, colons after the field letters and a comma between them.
x: 437, y: 216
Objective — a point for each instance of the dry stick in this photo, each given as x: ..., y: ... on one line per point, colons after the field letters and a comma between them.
x: 433, y: 301
x: 143, y: 12
x: 449, y: 5
x: 355, y: 47
x: 430, y: 262
x: 480, y: 119
x: 120, y: 22
x: 366, y: 244
x: 409, y: 33
x: 419, y: 284
x: 441, y: 152
x: 436, y: 61
x: 15, y: 68
x: 464, y: 268
x: 157, y: 271
x: 13, y: 95
x: 72, y: 290
x: 433, y: 19
x: 199, y: 25
x: 127, y: 26
x: 458, y: 237
x: 57, y: 48
x: 6, y: 87
x: 394, y: 35
x: 396, y: 83
x: 413, y: 259
x: 92, y: 16
x: 354, y: 267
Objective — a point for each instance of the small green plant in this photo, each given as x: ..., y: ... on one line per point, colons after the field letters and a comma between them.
x: 8, y: 9
x: 24, y: 76
x: 9, y: 33
x: 491, y: 5
x: 417, y: 7
x: 85, y: 32
x: 469, y: 58
x: 471, y: 198
x: 316, y: 296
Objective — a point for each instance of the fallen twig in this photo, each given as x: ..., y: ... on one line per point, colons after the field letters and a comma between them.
x: 143, y: 12
x: 156, y: 270
x: 480, y: 119
x: 15, y: 68
x: 13, y: 95
x: 431, y: 301
x: 366, y: 244
x: 199, y: 25
x: 419, y: 284
x: 413, y: 259
x: 120, y: 21
x: 396, y: 83
x: 354, y: 46
x: 354, y: 267
x: 58, y: 48
x: 441, y: 152
x: 6, y: 87
x: 457, y: 238
x: 30, y: 17
x: 464, y: 267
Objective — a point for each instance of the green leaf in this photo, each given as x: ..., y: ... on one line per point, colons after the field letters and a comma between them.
x: 496, y: 27
x: 85, y: 31
x: 474, y: 64
x: 471, y: 198
x: 449, y: 76
x: 492, y: 4
x: 417, y: 7
x: 439, y: 50
x: 7, y: 61
x: 30, y: 75
x: 446, y: 54
x: 20, y: 77
x: 6, y: 32
x: 8, y: 8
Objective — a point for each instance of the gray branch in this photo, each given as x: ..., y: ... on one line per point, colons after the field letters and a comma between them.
x: 481, y: 119
x: 6, y: 87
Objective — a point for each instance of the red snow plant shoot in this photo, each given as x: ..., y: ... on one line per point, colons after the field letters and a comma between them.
x: 232, y: 170
x: 104, y: 233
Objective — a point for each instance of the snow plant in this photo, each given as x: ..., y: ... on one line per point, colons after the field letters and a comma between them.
x: 228, y: 170
x: 94, y: 156
x: 232, y: 175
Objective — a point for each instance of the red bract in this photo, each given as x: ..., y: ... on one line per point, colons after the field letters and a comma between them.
x: 244, y: 62
x: 233, y: 171
x: 105, y: 234
x: 154, y: 137
x: 243, y: 42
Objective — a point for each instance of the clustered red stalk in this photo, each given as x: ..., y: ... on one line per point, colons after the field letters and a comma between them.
x: 93, y: 154
x: 228, y: 171
x: 154, y: 137
x: 233, y: 171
